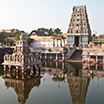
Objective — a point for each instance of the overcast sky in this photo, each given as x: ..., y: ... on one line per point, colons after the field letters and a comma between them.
x: 29, y: 15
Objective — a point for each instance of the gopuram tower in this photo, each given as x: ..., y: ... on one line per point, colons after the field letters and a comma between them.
x: 79, y: 32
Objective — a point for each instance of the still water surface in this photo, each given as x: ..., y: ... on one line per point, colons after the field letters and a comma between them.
x: 58, y: 83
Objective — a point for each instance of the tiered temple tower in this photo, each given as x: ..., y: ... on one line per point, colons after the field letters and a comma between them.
x: 79, y: 32
x: 21, y: 58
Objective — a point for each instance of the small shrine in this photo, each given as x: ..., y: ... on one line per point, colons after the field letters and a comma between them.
x: 22, y: 59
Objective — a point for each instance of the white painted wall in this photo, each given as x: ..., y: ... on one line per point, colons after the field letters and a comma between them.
x: 46, y: 43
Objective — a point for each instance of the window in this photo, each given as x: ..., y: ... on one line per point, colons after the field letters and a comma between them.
x: 76, y: 31
x: 77, y: 24
x: 77, y: 14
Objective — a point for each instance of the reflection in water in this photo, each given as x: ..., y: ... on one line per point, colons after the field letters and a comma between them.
x: 90, y: 68
x: 76, y: 75
x: 78, y: 86
x: 22, y: 87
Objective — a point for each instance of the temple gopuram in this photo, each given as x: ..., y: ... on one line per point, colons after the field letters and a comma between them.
x: 22, y: 59
x: 79, y: 31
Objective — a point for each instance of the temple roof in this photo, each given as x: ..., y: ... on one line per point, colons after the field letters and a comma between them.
x: 38, y: 33
x: 58, y: 37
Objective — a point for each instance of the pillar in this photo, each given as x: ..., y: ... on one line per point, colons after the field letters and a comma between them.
x: 80, y: 73
x: 103, y: 59
x: 50, y: 63
x: 83, y: 58
x: 17, y: 72
x: 5, y: 72
x: 28, y: 69
x: 9, y: 68
x: 45, y: 64
x: 103, y: 67
x: 45, y: 56
x: 62, y: 65
x: 22, y: 72
x: 50, y: 56
x: 34, y: 69
x: 60, y: 43
x: 31, y: 69
x: 96, y: 58
x: 9, y: 71
x: 56, y: 56
x: 56, y: 64
x: 96, y: 66
x: 89, y: 59
x: 57, y: 42
x: 40, y: 56
x: 62, y: 56
x: 22, y: 69
x: 22, y: 59
x: 88, y: 66
x: 53, y: 42
x: 39, y: 69
x: 64, y: 42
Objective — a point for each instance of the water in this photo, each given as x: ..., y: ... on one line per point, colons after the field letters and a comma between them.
x: 58, y: 83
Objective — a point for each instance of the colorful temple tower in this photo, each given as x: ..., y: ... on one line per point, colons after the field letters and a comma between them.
x: 79, y: 32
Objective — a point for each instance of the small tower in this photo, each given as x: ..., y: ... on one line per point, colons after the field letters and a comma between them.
x: 79, y: 32
x: 21, y: 57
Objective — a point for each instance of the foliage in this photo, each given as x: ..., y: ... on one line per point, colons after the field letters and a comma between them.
x: 29, y: 40
x: 17, y: 36
x: 50, y: 31
x: 9, y: 34
x: 2, y: 37
x: 54, y: 34
x: 9, y: 42
x: 57, y: 31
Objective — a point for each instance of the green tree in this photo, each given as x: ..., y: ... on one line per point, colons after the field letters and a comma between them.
x: 8, y: 42
x: 17, y: 36
x: 57, y: 31
x: 29, y: 40
x: 50, y: 31
x: 2, y: 37
x: 54, y: 34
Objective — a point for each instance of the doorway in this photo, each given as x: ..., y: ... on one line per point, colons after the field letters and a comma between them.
x: 77, y: 41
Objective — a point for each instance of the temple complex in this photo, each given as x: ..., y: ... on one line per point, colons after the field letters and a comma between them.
x: 21, y: 58
x: 79, y: 32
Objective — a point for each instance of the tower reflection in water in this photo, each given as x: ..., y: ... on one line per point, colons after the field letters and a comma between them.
x: 22, y: 87
x: 78, y: 86
x: 72, y: 73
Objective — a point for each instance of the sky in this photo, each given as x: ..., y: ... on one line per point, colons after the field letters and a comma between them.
x: 30, y: 15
